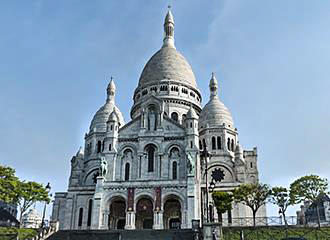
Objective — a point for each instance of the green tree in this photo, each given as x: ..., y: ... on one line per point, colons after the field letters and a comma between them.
x: 280, y: 196
x: 309, y: 188
x: 252, y: 195
x: 28, y: 194
x: 223, y: 202
x: 8, y: 185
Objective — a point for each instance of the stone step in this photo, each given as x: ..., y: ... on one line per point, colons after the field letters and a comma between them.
x: 182, y: 234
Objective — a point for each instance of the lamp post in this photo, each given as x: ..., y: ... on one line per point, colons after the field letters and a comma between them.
x: 205, y: 155
x: 44, y: 212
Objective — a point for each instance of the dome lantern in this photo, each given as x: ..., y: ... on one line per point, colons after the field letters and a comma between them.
x: 213, y: 86
x: 111, y: 91
x: 169, y: 29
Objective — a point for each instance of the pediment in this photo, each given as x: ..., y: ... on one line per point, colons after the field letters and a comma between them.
x: 131, y: 127
x: 171, y: 126
x: 153, y: 100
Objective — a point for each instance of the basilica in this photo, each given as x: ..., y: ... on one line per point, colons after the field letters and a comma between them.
x: 149, y: 173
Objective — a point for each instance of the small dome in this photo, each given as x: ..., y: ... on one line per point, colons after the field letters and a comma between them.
x: 102, y: 115
x: 215, y: 114
x: 167, y: 64
x: 31, y: 219
x: 192, y: 113
x: 113, y: 116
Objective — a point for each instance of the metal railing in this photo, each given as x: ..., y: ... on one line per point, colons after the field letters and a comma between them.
x: 260, y: 221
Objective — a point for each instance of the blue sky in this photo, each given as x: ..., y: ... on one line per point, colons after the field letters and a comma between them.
x: 271, y: 58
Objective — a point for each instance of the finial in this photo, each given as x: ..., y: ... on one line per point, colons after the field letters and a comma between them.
x: 169, y: 7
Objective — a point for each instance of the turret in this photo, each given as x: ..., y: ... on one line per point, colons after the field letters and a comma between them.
x: 192, y: 129
x: 112, y: 131
x: 239, y: 158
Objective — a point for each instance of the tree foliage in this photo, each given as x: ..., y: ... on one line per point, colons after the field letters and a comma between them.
x: 223, y: 202
x: 29, y: 193
x: 252, y: 195
x: 280, y: 196
x: 22, y: 193
x: 8, y: 185
x: 309, y: 188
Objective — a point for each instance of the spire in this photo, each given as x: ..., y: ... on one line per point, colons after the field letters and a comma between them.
x: 169, y: 29
x: 111, y: 91
x: 213, y: 86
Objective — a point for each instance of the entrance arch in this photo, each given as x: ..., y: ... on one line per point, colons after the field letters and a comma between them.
x: 172, y: 213
x: 144, y: 214
x: 117, y: 214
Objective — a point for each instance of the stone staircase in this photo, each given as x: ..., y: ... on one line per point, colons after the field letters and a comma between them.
x: 181, y: 234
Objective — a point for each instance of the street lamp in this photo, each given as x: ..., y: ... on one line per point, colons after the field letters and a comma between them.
x: 48, y: 188
x: 205, y: 156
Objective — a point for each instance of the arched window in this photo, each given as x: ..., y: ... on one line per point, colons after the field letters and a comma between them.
x: 80, y: 218
x: 251, y: 165
x: 151, y: 158
x: 127, y: 172
x: 219, y: 142
x: 191, y: 125
x: 90, y: 206
x: 175, y: 116
x: 174, y: 170
x: 103, y: 145
x: 191, y: 144
x: 111, y: 127
x: 200, y: 145
x: 204, y: 144
x: 228, y: 144
x: 184, y: 117
x: 99, y: 146
x: 110, y: 147
x: 213, y: 143
x: 232, y: 145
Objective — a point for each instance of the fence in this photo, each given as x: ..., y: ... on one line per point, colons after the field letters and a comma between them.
x: 266, y: 228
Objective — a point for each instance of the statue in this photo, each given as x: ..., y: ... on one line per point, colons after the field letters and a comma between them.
x: 103, y: 167
x: 190, y: 163
x: 152, y: 120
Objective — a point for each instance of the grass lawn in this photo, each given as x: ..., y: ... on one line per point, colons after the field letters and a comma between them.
x: 23, y: 233
x: 276, y: 233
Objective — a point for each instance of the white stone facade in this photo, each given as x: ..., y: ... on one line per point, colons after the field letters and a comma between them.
x: 148, y: 173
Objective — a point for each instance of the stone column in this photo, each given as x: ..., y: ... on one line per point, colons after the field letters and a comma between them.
x: 69, y: 221
x: 130, y: 213
x: 158, y: 213
x: 130, y: 220
x: 158, y: 220
x: 97, y: 213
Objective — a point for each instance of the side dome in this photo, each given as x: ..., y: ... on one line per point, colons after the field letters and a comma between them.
x: 100, y: 119
x: 167, y: 64
x: 215, y: 113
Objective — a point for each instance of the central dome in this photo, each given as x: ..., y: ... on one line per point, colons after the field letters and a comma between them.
x: 167, y: 64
